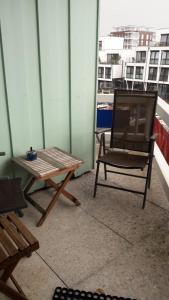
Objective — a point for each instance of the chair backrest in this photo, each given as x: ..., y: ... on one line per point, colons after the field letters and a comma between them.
x: 133, y: 119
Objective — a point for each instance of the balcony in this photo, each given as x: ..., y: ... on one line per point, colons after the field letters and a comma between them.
x: 108, y: 242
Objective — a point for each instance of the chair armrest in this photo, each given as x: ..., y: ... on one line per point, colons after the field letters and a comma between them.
x: 101, y: 130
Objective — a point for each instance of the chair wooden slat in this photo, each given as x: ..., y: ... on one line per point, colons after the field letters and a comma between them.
x: 22, y: 228
x: 3, y: 255
x: 15, y: 242
x: 13, y: 234
x: 7, y: 243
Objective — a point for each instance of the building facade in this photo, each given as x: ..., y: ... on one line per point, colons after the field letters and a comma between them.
x: 134, y: 36
x: 150, y: 68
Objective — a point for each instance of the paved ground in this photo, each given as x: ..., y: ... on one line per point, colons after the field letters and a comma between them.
x: 108, y: 242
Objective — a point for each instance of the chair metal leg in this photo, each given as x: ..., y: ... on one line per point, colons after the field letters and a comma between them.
x: 149, y: 179
x: 96, y: 179
x: 105, y: 172
x: 146, y: 185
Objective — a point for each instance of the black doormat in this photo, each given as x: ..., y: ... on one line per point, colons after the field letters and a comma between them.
x: 70, y: 294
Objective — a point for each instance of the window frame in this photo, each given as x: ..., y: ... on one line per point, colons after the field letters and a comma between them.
x: 140, y: 74
x: 130, y: 74
x: 155, y: 59
x: 166, y: 42
x: 142, y: 56
x: 152, y: 75
x: 165, y: 61
x: 100, y: 73
x: 109, y: 73
x: 164, y: 77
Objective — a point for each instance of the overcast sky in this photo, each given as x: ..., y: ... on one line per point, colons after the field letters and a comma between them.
x: 148, y: 13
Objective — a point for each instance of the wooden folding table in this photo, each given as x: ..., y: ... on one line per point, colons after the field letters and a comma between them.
x: 49, y: 163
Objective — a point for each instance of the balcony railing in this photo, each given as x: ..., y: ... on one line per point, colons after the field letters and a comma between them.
x: 129, y: 75
x: 139, y: 76
x: 153, y: 61
x: 163, y: 44
x: 165, y: 61
x: 152, y: 77
x: 162, y: 142
x: 163, y: 78
x: 143, y: 60
x: 101, y: 75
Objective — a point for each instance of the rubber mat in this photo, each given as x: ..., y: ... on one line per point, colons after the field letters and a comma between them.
x: 70, y: 294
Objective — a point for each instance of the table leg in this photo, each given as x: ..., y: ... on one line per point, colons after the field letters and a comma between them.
x: 29, y: 185
x: 55, y: 198
x: 64, y: 192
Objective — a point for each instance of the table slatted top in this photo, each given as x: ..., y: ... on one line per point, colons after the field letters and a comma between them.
x: 15, y: 239
x: 50, y: 162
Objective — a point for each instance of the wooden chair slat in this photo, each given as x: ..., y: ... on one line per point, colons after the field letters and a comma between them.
x: 13, y: 234
x: 3, y: 255
x: 7, y: 243
x: 22, y: 228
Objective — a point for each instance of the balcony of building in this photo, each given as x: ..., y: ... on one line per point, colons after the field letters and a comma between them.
x: 107, y: 244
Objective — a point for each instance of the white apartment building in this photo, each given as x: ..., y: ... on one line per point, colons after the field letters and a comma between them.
x: 112, y: 60
x: 150, y: 68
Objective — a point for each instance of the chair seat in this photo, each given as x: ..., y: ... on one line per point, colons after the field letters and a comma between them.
x: 124, y: 160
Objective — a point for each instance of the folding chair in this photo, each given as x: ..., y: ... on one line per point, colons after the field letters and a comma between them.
x: 131, y: 139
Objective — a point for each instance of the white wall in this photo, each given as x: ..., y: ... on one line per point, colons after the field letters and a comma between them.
x: 112, y: 42
x: 117, y: 71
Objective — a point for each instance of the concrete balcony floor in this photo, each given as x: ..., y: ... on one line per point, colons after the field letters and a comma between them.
x: 108, y: 242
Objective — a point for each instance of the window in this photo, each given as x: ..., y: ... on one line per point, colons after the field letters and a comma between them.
x: 164, y: 74
x: 140, y: 56
x: 147, y: 36
x: 139, y: 73
x: 146, y: 43
x: 164, y: 40
x: 100, y: 45
x: 165, y: 58
x: 154, y: 56
x: 107, y: 73
x: 152, y: 74
x: 163, y: 91
x: 129, y: 72
x: 100, y: 72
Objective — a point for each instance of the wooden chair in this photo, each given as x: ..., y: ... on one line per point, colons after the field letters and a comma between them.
x: 131, y: 140
x: 16, y: 241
